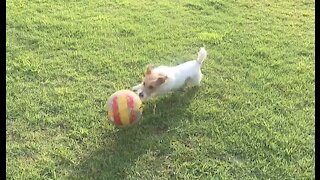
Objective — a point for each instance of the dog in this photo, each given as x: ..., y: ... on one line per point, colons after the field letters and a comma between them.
x: 163, y: 79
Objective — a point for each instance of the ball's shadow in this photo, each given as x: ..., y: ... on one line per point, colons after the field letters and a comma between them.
x: 120, y: 150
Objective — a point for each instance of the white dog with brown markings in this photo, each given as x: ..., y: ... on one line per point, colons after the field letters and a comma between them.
x: 164, y: 79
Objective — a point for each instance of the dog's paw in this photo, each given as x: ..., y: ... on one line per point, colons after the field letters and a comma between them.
x: 136, y: 88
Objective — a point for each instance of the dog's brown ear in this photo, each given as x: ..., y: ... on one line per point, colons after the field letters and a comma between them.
x: 149, y: 69
x: 161, y: 79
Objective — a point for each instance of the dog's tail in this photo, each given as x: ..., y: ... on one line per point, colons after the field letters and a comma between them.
x: 202, y: 54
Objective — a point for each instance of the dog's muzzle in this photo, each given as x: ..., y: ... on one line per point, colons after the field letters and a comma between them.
x: 141, y: 95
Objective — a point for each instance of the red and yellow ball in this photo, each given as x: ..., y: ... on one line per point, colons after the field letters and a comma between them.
x: 124, y: 108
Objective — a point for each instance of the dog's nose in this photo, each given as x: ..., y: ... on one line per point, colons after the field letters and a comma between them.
x: 141, y: 94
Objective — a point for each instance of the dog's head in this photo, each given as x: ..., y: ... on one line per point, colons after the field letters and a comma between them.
x: 151, y: 82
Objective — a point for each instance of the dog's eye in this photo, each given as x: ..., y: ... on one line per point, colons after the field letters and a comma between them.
x: 150, y: 87
x: 144, y: 83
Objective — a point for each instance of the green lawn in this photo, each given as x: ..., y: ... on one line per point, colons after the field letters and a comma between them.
x: 252, y: 118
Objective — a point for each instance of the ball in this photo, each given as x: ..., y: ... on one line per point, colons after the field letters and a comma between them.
x: 124, y: 108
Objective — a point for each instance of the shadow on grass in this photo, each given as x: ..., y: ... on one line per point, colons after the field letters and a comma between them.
x: 123, y: 148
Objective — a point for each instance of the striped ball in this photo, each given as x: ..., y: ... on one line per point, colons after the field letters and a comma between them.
x: 124, y: 108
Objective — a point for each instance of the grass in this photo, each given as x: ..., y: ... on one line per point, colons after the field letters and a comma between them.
x: 252, y: 118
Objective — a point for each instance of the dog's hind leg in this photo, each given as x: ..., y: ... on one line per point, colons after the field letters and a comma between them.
x: 195, y: 80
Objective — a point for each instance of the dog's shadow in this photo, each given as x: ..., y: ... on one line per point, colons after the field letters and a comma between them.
x: 119, y: 151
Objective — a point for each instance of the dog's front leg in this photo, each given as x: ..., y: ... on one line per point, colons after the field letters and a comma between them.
x: 137, y: 87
